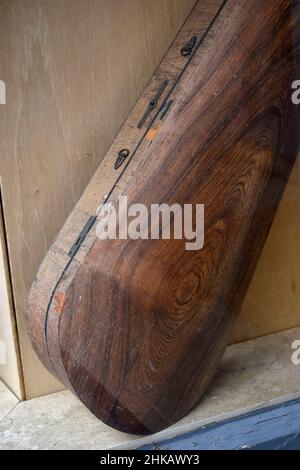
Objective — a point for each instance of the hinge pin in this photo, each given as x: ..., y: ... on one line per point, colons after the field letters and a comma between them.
x: 153, y: 103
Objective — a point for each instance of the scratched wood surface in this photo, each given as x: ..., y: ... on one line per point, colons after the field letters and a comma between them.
x: 137, y: 328
x: 73, y: 70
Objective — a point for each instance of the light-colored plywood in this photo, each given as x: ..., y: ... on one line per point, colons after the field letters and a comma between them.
x: 73, y: 70
x: 10, y: 367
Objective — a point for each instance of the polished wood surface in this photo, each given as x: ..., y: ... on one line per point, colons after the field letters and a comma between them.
x: 136, y: 328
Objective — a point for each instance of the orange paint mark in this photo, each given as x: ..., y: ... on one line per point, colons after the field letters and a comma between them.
x: 151, y: 134
x: 60, y: 300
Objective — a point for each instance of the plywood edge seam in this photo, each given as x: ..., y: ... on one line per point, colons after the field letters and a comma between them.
x: 10, y: 294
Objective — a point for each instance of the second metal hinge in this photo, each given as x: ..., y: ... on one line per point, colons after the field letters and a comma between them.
x: 79, y: 240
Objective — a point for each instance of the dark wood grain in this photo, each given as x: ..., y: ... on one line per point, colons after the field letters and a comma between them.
x: 136, y: 328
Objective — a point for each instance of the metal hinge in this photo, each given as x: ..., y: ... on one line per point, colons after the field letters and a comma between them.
x: 153, y: 103
x: 165, y: 109
x: 82, y: 235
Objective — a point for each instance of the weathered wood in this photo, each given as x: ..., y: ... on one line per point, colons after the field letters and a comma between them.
x: 136, y: 328
x: 271, y: 428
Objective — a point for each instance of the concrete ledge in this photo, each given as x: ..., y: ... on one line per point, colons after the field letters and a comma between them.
x: 8, y: 401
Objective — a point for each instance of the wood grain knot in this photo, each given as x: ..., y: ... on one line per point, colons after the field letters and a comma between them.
x: 188, y: 288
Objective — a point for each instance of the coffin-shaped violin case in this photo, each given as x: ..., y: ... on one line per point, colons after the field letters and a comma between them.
x: 136, y: 328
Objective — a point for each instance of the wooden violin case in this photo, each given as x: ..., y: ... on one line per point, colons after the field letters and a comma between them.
x: 136, y: 328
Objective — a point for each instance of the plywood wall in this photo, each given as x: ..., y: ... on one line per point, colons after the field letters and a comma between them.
x: 10, y: 366
x: 73, y: 69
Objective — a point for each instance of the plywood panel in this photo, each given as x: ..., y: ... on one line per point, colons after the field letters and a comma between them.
x: 10, y: 367
x: 73, y: 69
